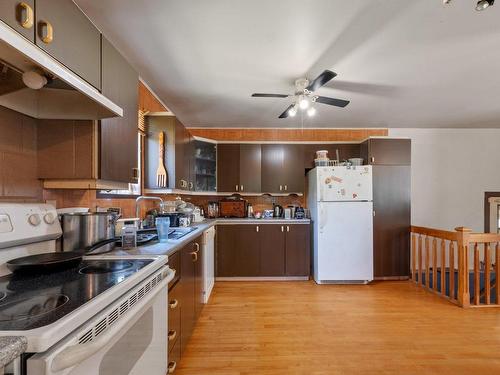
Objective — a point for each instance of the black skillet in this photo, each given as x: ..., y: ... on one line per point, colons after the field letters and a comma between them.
x: 51, y: 262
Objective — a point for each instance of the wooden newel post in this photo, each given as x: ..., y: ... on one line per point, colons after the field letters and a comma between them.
x: 463, y: 296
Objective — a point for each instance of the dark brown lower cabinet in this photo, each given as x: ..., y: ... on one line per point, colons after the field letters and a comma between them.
x: 298, y: 254
x: 237, y: 250
x: 391, y: 223
x: 272, y: 250
x: 185, y: 299
x: 250, y: 250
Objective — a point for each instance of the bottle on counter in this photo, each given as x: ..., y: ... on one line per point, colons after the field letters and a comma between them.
x: 249, y: 210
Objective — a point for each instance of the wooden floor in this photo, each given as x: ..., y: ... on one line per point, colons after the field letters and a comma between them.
x: 304, y: 328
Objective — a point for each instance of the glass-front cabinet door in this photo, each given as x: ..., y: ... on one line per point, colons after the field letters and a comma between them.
x: 205, y: 164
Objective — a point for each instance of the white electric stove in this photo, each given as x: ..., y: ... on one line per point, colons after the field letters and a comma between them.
x: 108, y: 315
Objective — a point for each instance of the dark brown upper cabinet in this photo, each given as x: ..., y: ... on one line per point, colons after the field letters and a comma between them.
x: 20, y: 15
x: 119, y: 135
x: 184, y: 157
x: 65, y: 33
x: 282, y: 168
x: 239, y: 168
x: 386, y: 151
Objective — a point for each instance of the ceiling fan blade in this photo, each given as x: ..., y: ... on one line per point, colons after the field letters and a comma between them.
x: 320, y: 80
x: 259, y: 95
x: 332, y: 101
x: 285, y: 114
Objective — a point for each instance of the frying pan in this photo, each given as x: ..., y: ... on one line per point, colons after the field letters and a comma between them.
x: 51, y: 262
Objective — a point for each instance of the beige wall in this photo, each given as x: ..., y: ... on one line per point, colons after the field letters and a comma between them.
x: 451, y: 170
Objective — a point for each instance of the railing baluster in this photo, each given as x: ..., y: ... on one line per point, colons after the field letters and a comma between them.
x: 497, y: 270
x: 427, y: 263
x: 413, y: 257
x: 420, y: 259
x: 443, y: 267
x: 434, y: 264
x: 452, y: 270
x: 487, y: 268
x: 477, y: 272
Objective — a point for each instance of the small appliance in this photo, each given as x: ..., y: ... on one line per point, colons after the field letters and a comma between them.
x: 232, y: 208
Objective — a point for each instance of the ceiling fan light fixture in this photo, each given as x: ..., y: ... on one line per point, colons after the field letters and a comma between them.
x: 311, y: 111
x: 303, y: 102
x: 483, y: 4
x: 292, y: 111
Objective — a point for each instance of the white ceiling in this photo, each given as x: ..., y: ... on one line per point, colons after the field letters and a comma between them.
x: 401, y: 63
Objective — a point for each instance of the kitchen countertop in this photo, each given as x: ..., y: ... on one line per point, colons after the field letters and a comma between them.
x: 11, y: 347
x: 171, y: 246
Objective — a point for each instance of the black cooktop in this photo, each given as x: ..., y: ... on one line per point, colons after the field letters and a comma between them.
x: 33, y: 301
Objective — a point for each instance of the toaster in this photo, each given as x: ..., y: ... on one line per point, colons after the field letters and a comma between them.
x: 232, y: 208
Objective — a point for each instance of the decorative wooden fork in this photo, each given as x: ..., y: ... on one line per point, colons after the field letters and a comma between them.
x: 161, y: 172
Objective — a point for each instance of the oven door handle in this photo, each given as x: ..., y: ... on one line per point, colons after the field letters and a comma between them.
x: 74, y: 354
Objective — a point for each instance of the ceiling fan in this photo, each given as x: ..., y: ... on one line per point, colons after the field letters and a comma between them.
x: 304, y: 97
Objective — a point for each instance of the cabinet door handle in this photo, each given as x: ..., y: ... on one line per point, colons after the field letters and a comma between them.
x: 237, y: 187
x: 241, y: 188
x: 191, y: 185
x: 173, y: 304
x: 197, y: 245
x: 281, y: 187
x: 194, y: 255
x: 257, y: 228
x: 47, y: 36
x: 287, y: 228
x: 372, y: 159
x: 171, y: 335
x: 25, y: 15
x: 282, y: 229
x: 286, y: 187
x: 171, y: 367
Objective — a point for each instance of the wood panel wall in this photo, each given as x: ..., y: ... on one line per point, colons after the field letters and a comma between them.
x: 148, y: 102
x: 287, y: 135
x: 18, y: 157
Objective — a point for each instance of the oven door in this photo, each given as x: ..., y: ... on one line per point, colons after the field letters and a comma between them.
x: 134, y: 344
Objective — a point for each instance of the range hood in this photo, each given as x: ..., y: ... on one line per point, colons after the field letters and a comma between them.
x: 64, y: 96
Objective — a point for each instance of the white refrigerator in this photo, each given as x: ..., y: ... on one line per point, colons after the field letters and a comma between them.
x: 341, y: 204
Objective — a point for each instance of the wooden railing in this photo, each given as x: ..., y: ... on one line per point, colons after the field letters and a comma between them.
x: 461, y: 266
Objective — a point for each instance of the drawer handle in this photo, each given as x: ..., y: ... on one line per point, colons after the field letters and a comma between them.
x: 282, y: 228
x: 48, y: 36
x: 26, y: 11
x: 171, y: 367
x: 194, y: 254
x: 257, y: 228
x: 173, y: 304
x: 287, y: 228
x: 172, y: 335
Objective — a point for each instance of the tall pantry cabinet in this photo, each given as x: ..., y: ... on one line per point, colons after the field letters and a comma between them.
x: 390, y: 159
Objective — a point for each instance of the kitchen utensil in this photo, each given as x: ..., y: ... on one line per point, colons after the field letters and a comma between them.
x: 356, y: 161
x: 161, y: 172
x: 268, y: 214
x: 249, y: 210
x: 278, y: 210
x: 162, y: 227
x: 232, y: 208
x: 173, y: 216
x: 213, y: 210
x: 300, y: 213
x: 322, y: 154
x: 82, y: 230
x: 45, y: 262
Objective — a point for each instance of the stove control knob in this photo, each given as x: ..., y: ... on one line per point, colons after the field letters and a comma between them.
x: 49, y: 218
x: 34, y: 219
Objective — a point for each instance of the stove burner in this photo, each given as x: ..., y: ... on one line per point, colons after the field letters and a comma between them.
x: 32, y: 307
x: 106, y: 267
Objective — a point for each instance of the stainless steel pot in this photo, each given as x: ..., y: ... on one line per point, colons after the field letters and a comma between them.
x: 85, y: 230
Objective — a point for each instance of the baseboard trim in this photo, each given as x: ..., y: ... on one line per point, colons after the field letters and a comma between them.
x: 264, y: 278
